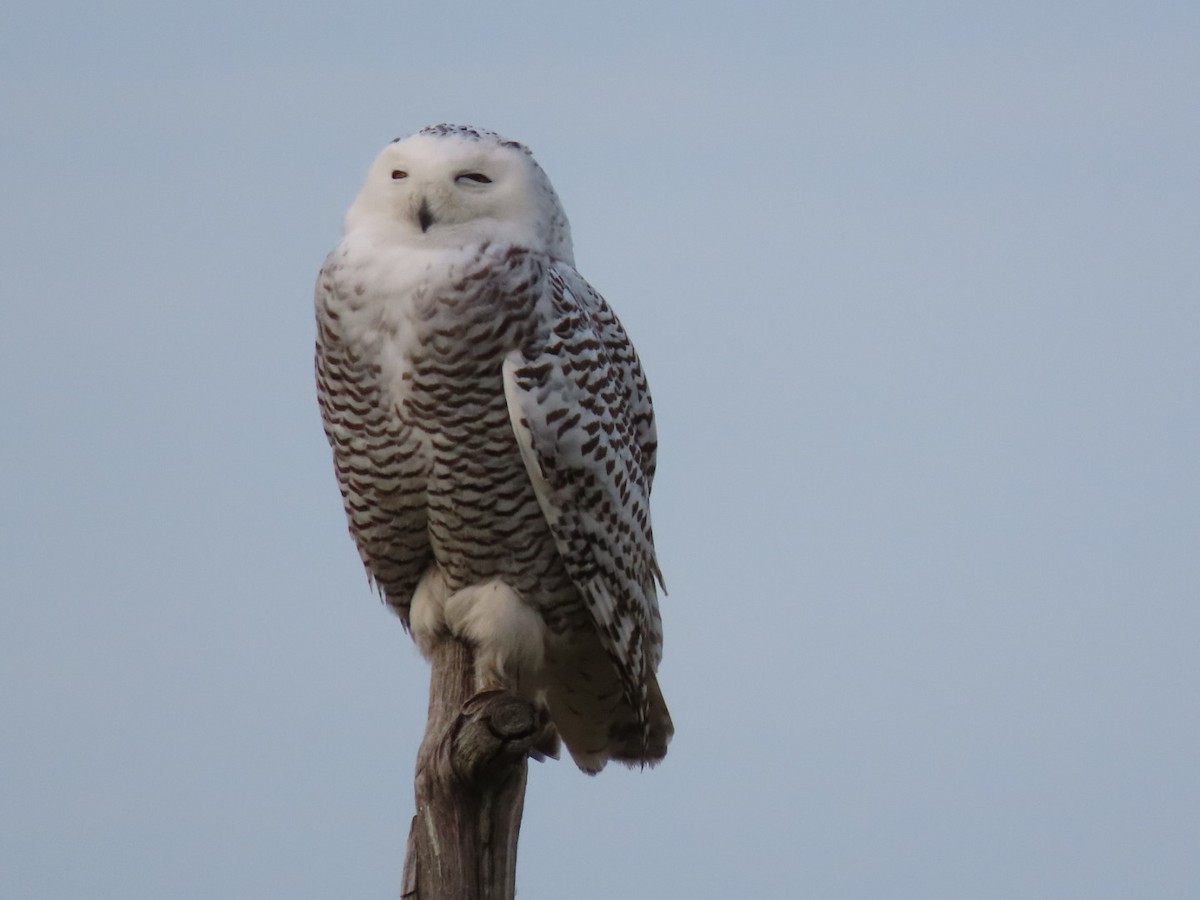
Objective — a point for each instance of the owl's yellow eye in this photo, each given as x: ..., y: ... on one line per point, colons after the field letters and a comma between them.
x: 477, y: 177
x: 397, y: 174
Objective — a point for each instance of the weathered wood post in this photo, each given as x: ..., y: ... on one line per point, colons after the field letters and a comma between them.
x: 470, y: 785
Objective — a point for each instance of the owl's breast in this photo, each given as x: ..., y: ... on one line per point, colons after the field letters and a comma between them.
x: 436, y: 335
x: 438, y: 324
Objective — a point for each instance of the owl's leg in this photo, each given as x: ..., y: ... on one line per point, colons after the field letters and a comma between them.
x: 508, y: 637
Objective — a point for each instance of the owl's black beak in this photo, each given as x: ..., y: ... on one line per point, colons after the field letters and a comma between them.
x: 424, y: 216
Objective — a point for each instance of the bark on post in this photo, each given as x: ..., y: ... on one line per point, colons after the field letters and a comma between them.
x: 470, y: 786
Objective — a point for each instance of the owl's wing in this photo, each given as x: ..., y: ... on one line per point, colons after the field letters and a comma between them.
x: 631, y: 379
x: 581, y: 413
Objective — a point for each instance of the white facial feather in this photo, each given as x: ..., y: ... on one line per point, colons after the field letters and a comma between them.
x: 446, y: 187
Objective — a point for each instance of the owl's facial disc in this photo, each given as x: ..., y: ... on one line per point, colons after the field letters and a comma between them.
x: 448, y: 187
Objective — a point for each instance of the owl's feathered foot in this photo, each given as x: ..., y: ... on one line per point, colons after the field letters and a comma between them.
x: 506, y: 637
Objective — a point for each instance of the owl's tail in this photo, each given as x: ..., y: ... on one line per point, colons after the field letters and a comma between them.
x: 593, y: 717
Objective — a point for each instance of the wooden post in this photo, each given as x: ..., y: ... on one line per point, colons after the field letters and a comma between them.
x: 470, y: 786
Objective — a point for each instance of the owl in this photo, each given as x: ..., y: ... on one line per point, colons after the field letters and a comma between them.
x: 493, y: 437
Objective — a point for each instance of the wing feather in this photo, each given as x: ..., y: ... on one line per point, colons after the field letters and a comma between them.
x: 581, y: 412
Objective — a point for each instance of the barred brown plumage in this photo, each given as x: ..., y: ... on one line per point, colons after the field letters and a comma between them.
x: 493, y: 436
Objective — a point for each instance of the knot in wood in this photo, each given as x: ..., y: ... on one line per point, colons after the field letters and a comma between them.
x: 494, y: 732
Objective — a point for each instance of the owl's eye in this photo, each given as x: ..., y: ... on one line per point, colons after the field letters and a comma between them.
x: 477, y: 177
x: 397, y: 174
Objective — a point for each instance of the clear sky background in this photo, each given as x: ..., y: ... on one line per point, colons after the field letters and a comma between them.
x: 918, y: 290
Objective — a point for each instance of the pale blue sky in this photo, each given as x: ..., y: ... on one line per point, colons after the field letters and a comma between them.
x: 918, y: 290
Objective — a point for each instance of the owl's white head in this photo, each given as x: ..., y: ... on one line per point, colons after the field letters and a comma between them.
x: 452, y: 186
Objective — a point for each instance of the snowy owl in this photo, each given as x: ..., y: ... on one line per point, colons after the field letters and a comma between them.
x: 493, y: 436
